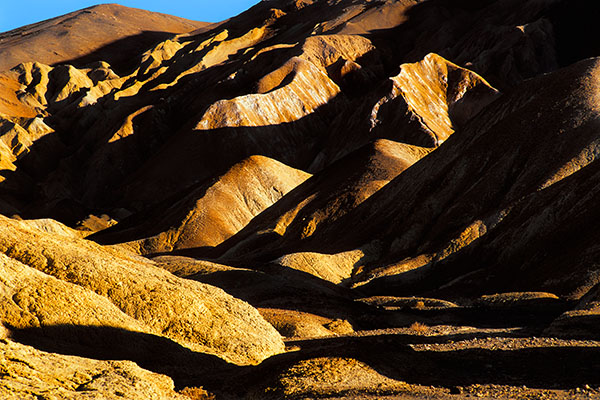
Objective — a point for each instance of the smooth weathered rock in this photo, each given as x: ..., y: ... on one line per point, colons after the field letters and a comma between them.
x: 335, y: 268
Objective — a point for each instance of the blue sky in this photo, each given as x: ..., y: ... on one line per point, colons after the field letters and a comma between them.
x: 16, y: 13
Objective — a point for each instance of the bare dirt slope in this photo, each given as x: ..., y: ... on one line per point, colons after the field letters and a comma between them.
x: 107, y: 32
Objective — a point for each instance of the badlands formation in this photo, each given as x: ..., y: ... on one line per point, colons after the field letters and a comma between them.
x: 315, y: 199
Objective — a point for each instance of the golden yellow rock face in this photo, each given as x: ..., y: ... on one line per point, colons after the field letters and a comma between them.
x: 32, y: 299
x: 133, y: 289
x: 335, y: 268
x: 27, y: 372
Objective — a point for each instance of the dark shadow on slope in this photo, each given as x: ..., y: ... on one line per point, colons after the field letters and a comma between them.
x: 485, y: 35
x: 562, y: 367
x: 554, y: 257
x: 155, y: 353
x: 274, y: 286
x: 584, y: 327
x: 575, y: 24
x: 124, y: 54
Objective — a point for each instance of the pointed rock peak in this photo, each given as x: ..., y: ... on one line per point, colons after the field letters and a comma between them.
x: 439, y: 94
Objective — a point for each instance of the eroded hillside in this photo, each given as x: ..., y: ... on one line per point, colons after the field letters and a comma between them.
x: 313, y: 199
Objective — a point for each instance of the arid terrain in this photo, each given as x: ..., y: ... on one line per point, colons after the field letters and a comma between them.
x: 315, y: 199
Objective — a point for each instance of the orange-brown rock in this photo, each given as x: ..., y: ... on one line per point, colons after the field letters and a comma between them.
x: 327, y: 196
x: 265, y: 109
x: 105, y: 32
x: 436, y: 92
x: 213, y: 212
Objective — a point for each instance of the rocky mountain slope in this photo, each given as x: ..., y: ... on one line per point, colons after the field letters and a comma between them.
x: 313, y: 199
x: 210, y: 214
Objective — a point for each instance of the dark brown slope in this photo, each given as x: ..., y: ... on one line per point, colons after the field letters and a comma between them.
x: 484, y: 186
x: 325, y: 197
x: 107, y: 32
x: 435, y: 93
x: 505, y: 41
x: 525, y: 211
x: 188, y: 113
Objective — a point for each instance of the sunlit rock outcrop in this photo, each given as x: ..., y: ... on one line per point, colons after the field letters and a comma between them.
x: 199, y: 316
